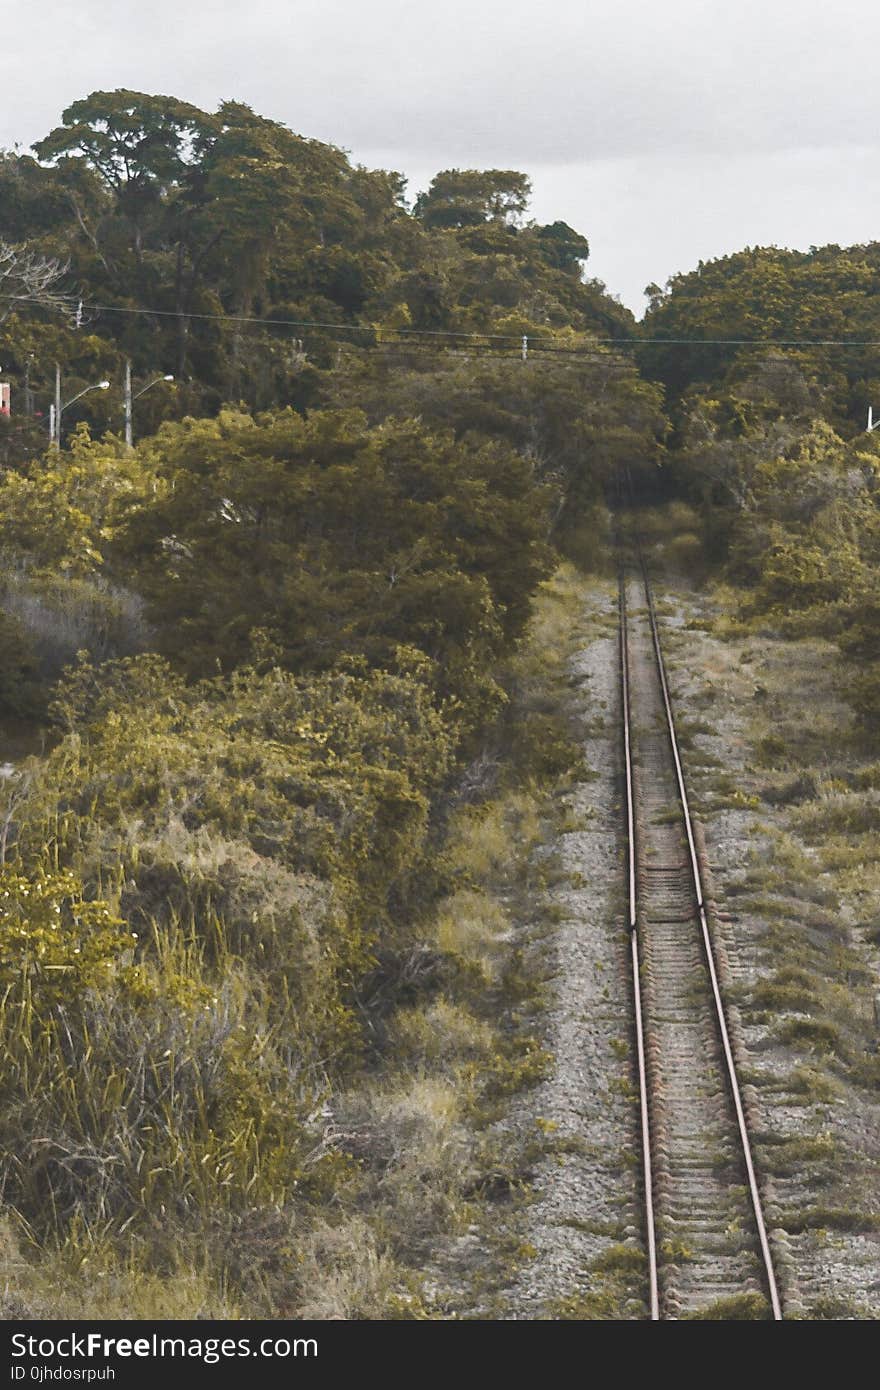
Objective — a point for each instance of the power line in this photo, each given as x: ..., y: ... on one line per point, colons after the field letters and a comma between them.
x: 485, y: 345
x: 749, y: 342
x: 139, y: 310
x: 535, y: 342
x: 406, y: 351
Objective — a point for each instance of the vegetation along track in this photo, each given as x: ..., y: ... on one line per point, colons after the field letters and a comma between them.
x: 708, y: 1249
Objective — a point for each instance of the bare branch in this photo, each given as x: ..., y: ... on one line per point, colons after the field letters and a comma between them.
x: 28, y: 277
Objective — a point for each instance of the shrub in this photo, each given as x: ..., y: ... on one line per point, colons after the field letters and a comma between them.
x: 261, y: 524
x: 863, y: 692
x: 790, y: 989
x: 811, y: 1034
x: 443, y: 1035
x: 472, y: 925
x: 20, y: 695
x: 65, y: 614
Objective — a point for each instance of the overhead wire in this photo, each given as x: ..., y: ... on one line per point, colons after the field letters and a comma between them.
x: 515, y: 339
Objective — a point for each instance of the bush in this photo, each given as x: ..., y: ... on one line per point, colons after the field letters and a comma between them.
x: 790, y: 989
x: 65, y: 614
x: 444, y: 1035
x: 184, y: 1097
x: 810, y: 1034
x: 863, y: 693
x: 20, y: 695
x: 841, y: 813
x: 472, y: 925
x: 260, y: 524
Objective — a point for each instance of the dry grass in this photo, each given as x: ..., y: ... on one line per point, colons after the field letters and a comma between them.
x: 344, y: 1272
x: 491, y: 843
x: 442, y: 1036
x: 64, y: 615
x: 87, y: 1277
x: 475, y: 926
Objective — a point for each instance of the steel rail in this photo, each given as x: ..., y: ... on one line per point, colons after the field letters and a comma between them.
x: 644, y: 1106
x: 730, y: 1064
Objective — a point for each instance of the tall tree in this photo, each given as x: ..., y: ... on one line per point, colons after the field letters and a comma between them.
x: 140, y: 146
x: 467, y: 197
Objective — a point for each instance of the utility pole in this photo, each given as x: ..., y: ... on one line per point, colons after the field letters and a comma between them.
x: 131, y: 397
x: 129, y: 432
x: 56, y: 410
x: 872, y: 423
x: 55, y: 420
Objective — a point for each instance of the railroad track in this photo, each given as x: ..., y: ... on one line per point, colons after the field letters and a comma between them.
x: 706, y: 1238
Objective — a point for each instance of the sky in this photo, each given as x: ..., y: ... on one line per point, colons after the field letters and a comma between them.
x: 665, y: 132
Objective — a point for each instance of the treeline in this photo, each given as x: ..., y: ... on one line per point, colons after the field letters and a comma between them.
x: 820, y: 306
x: 772, y: 442
x: 179, y: 229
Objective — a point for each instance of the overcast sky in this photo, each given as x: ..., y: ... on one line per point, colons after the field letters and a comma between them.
x: 665, y: 132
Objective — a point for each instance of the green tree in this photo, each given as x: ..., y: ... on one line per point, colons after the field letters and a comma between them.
x: 563, y: 247
x: 337, y: 539
x: 572, y: 422
x: 139, y: 145
x: 467, y: 197
x: 704, y: 321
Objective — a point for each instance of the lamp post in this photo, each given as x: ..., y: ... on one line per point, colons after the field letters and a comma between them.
x: 130, y: 400
x: 57, y: 410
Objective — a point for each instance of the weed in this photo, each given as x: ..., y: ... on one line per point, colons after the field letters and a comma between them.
x: 813, y: 1085
x: 833, y: 1308
x: 675, y: 1251
x: 790, y: 1155
x: 810, y: 1034
x: 829, y: 1219
x: 742, y: 1307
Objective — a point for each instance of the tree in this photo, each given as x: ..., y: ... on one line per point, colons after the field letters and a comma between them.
x: 467, y: 197
x: 707, y: 320
x: 200, y: 221
x: 26, y: 277
x: 140, y: 146
x: 143, y: 150
x: 573, y: 422
x: 563, y: 247
x: 338, y: 540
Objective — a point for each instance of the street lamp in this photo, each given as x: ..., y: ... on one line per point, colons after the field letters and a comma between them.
x: 57, y: 410
x: 130, y: 399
